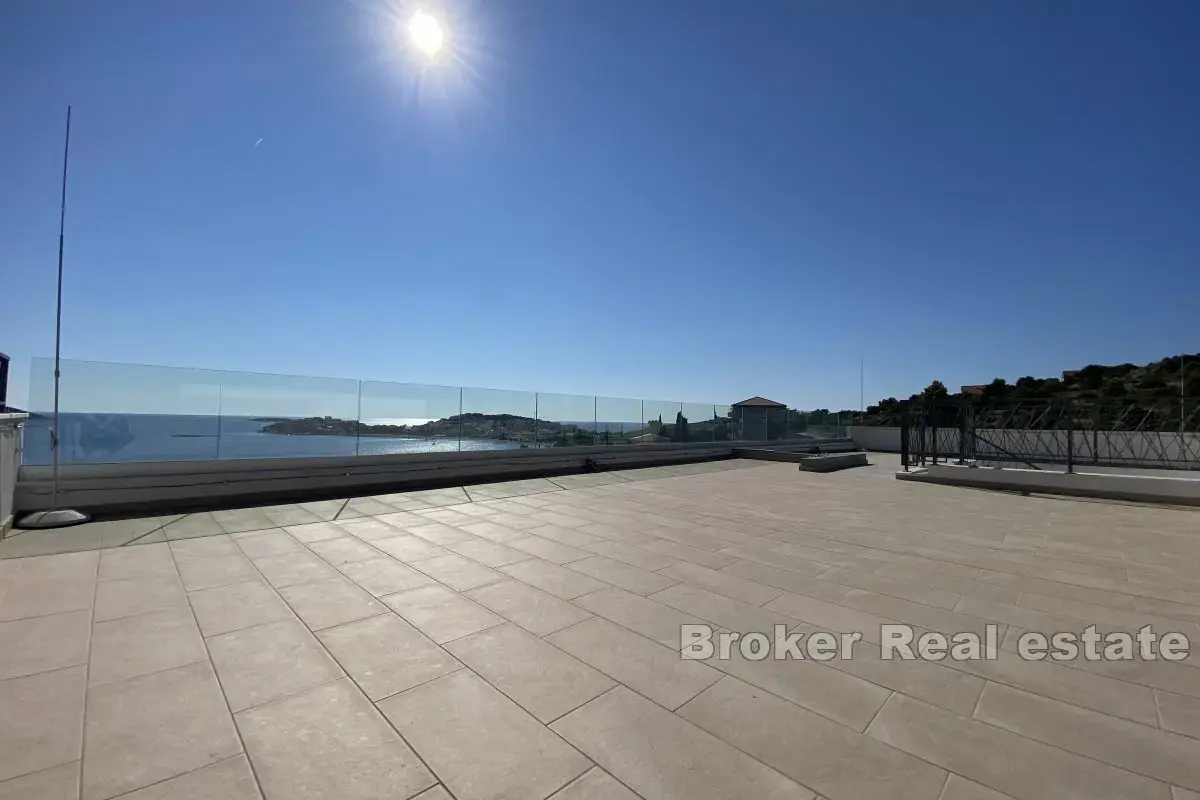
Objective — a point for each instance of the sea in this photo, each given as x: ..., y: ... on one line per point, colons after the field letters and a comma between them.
x: 118, y: 438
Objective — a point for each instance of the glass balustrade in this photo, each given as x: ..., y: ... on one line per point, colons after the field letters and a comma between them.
x: 127, y: 413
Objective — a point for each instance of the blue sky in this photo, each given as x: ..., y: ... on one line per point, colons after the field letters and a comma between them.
x: 697, y: 200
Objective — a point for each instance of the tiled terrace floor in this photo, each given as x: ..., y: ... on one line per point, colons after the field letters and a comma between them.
x: 513, y: 641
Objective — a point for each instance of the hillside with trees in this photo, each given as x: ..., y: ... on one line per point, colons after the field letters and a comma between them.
x: 1158, y: 394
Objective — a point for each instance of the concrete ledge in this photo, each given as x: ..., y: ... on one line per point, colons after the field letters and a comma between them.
x: 832, y: 462
x: 794, y: 453
x: 1133, y: 488
x: 193, y: 485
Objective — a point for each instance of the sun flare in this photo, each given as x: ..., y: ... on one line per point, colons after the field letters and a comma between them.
x: 426, y: 34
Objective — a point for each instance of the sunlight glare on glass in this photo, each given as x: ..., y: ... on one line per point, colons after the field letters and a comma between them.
x: 425, y: 32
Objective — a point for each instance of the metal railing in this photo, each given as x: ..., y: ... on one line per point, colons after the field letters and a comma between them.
x: 1061, y: 433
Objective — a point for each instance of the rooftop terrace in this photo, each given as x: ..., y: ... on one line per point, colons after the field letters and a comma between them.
x: 520, y: 640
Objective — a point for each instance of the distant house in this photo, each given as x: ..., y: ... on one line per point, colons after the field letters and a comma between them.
x: 758, y: 418
x: 974, y: 391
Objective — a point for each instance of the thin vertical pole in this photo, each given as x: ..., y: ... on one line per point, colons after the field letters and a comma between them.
x: 536, y: 443
x: 862, y: 395
x: 460, y: 415
x: 62, y: 221
x: 595, y: 420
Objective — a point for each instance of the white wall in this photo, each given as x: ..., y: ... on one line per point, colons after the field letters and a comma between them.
x: 10, y: 458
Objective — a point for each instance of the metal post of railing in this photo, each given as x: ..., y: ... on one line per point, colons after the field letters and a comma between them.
x: 905, y: 432
x: 3, y: 382
x: 536, y: 443
x: 595, y: 420
x: 933, y: 434
x: 963, y: 409
x: 460, y: 417
x: 220, y: 410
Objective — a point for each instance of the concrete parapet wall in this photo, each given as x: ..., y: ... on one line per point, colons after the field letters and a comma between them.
x: 833, y: 462
x: 1135, y: 488
x: 10, y: 458
x: 161, y: 486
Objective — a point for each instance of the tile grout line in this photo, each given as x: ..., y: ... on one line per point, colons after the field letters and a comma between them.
x: 87, y: 671
x: 217, y: 677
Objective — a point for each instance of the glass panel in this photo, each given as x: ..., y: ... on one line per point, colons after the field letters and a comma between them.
x: 567, y: 420
x: 661, y: 418
x: 726, y: 427
x: 776, y: 427
x: 498, y: 419
x: 407, y: 418
x: 281, y: 416
x: 122, y: 412
x: 619, y: 419
x: 698, y: 422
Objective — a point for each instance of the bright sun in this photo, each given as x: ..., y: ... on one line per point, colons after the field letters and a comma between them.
x: 426, y: 33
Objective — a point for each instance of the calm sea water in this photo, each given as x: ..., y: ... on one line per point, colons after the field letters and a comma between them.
x: 107, y: 438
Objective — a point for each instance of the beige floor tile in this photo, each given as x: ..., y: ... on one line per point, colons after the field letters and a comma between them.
x: 1184, y: 794
x: 758, y: 554
x: 436, y: 793
x: 384, y: 575
x: 241, y: 605
x: 549, y: 550
x: 1179, y: 713
x: 409, y: 548
x: 291, y: 515
x: 556, y: 533
x: 721, y: 610
x: 439, y: 534
x: 532, y: 609
x: 385, y: 655
x: 793, y: 582
x: 182, y: 724
x: 630, y: 554
x: 132, y: 646
x: 458, y: 572
x: 653, y: 620
x: 56, y: 783
x: 208, y: 573
x: 660, y: 755
x: 595, y: 784
x: 329, y: 742
x: 50, y: 585
x: 323, y: 604
x: 260, y: 544
x: 542, y: 679
x: 824, y: 756
x: 323, y: 509
x: 917, y: 593
x: 441, y: 614
x: 346, y: 550
x: 203, y: 547
x: 127, y: 563
x: 264, y: 663
x: 490, y: 554
x: 1097, y: 692
x: 959, y: 788
x: 364, y: 507
x: 40, y: 644
x: 645, y: 666
x: 840, y: 696
x: 694, y: 555
x: 829, y: 615
x: 230, y: 779
x: 193, y: 525
x: 41, y: 721
x: 731, y: 586
x: 621, y: 575
x: 558, y: 581
x: 116, y: 599
x: 1004, y: 761
x: 1149, y: 751
x: 482, y: 745
x: 369, y: 529
x: 245, y: 522
x: 292, y: 568
x: 315, y: 531
x: 493, y: 531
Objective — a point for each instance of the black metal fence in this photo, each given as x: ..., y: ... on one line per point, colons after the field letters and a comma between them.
x: 3, y: 383
x: 1061, y: 433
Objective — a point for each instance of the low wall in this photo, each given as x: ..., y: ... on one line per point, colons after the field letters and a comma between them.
x: 187, y: 485
x: 1181, y: 451
x: 1134, y: 488
x: 10, y: 458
